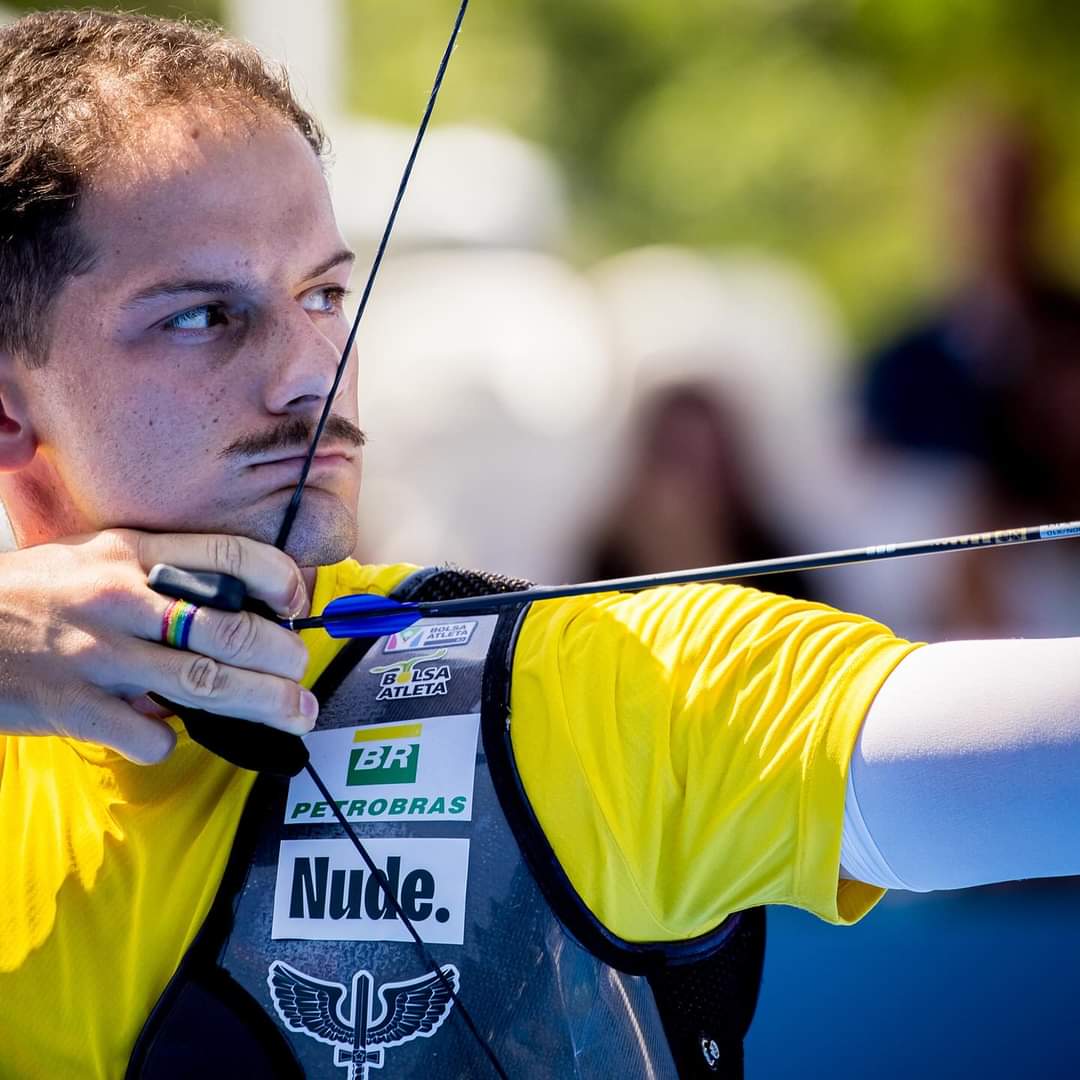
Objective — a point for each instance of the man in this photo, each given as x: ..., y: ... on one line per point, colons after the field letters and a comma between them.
x: 633, y: 768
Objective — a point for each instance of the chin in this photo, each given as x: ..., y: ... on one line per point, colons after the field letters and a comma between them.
x: 319, y: 538
x: 323, y: 533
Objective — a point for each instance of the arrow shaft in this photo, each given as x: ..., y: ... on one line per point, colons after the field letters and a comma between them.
x: 786, y: 565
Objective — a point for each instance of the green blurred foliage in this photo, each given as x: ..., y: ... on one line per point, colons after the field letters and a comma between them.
x: 812, y: 128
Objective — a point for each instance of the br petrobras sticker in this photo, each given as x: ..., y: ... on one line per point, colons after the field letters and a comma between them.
x: 417, y: 771
x: 324, y: 891
x: 430, y: 636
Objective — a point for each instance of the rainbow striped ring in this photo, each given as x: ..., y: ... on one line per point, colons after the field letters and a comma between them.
x: 176, y: 623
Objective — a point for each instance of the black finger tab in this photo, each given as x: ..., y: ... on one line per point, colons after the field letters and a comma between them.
x: 221, y: 591
x: 242, y: 742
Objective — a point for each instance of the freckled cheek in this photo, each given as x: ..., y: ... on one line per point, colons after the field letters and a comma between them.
x: 164, y: 451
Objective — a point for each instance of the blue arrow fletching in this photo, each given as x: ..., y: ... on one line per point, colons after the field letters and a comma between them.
x: 367, y: 615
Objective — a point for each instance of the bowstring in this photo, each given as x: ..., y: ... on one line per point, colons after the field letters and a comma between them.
x: 294, y: 503
x: 395, y: 906
x: 294, y: 506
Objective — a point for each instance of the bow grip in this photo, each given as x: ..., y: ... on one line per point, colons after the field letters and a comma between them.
x: 241, y: 742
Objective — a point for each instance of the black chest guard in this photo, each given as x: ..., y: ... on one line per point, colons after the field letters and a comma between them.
x: 302, y: 969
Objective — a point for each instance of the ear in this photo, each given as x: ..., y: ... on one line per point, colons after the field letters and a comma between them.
x: 18, y: 441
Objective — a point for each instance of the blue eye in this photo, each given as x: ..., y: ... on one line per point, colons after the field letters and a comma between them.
x: 327, y: 300
x: 202, y: 317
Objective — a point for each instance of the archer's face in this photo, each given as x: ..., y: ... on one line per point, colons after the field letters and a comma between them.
x: 186, y: 370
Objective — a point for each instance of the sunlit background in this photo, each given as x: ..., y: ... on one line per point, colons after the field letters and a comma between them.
x: 679, y: 283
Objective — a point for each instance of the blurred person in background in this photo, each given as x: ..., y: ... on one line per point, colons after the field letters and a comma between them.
x: 1033, y: 475
x: 688, y: 497
x: 942, y: 385
x: 990, y: 381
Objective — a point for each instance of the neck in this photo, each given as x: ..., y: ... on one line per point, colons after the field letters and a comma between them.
x: 308, y: 574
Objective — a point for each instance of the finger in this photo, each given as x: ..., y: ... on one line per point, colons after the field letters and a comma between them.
x: 91, y: 715
x: 239, y: 638
x: 189, y: 678
x: 270, y: 575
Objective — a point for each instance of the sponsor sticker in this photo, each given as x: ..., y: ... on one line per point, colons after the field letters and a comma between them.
x: 360, y: 1035
x: 419, y: 676
x: 418, y: 771
x: 386, y: 755
x: 430, y: 635
x: 324, y: 891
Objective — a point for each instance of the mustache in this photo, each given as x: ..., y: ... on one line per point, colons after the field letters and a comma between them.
x: 295, y: 434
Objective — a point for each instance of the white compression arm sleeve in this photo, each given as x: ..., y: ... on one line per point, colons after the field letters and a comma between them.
x: 967, y: 769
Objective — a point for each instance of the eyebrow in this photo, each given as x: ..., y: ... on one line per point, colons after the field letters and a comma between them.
x: 224, y: 286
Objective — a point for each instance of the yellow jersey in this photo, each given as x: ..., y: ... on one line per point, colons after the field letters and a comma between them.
x: 685, y: 750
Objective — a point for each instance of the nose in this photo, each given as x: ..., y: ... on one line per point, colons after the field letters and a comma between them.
x: 304, y: 363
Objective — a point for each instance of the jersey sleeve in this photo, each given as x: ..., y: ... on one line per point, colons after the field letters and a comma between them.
x: 685, y: 750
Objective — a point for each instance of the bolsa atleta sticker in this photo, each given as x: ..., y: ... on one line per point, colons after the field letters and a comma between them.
x: 429, y: 635
x: 424, y: 675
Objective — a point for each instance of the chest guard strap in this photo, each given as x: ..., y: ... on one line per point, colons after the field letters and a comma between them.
x: 706, y: 988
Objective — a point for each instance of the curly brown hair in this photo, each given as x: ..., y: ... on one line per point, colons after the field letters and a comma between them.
x: 71, y: 82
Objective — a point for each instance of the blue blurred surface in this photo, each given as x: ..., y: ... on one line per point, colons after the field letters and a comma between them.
x: 980, y: 983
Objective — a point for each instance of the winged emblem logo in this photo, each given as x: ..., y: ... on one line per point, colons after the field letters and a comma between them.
x: 409, y: 1010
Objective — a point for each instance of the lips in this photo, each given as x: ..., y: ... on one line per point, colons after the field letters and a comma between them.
x: 329, y: 468
x: 323, y: 457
